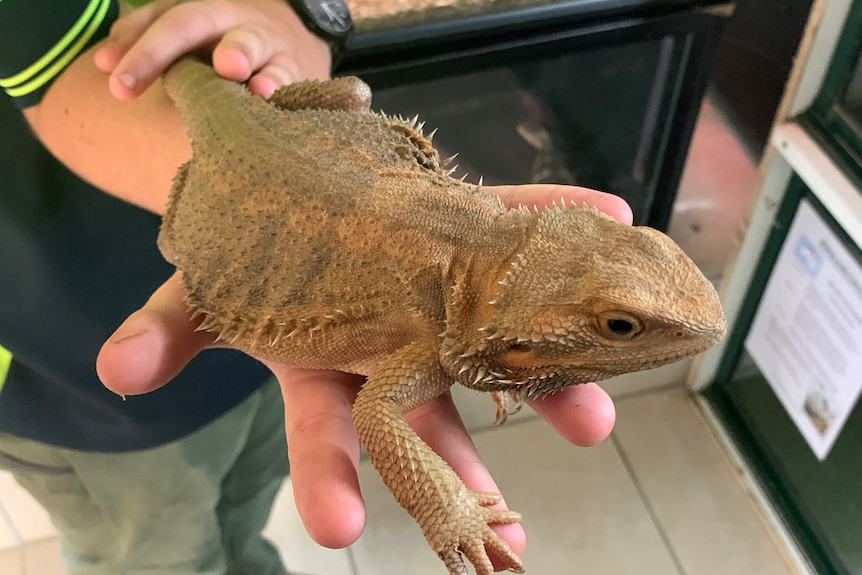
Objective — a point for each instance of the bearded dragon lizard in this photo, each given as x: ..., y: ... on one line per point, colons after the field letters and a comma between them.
x: 313, y: 232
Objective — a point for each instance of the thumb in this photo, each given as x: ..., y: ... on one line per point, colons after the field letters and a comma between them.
x: 153, y: 345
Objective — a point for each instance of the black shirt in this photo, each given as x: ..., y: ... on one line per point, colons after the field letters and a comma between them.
x: 74, y: 262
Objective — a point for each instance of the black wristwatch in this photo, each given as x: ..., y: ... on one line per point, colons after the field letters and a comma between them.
x: 329, y: 20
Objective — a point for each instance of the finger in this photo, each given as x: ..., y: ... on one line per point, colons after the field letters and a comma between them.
x: 252, y: 52
x: 241, y: 51
x: 266, y: 82
x: 126, y: 31
x: 544, y: 195
x: 440, y: 426
x: 178, y: 31
x: 324, y: 452
x: 152, y: 345
x: 583, y: 414
x: 278, y: 72
x: 284, y: 69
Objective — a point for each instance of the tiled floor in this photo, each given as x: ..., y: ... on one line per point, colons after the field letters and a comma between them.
x: 658, y: 498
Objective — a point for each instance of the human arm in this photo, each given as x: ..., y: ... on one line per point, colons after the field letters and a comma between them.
x: 132, y: 149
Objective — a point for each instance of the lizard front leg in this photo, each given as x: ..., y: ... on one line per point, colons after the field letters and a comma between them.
x: 453, y: 518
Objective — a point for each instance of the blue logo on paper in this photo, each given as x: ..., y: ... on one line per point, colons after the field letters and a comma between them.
x: 807, y: 256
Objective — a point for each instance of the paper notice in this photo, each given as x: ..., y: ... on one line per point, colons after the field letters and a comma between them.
x: 806, y: 337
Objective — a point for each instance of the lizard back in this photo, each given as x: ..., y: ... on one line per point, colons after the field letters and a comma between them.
x: 316, y: 237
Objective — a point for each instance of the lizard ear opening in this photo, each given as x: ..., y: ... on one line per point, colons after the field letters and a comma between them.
x: 520, y: 354
x: 619, y: 325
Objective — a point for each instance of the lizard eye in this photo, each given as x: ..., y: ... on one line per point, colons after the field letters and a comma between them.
x: 619, y: 326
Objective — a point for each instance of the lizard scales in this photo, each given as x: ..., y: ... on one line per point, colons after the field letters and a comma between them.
x: 313, y: 232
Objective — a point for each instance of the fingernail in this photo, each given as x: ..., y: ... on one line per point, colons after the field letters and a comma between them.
x: 127, y: 80
x: 123, y: 335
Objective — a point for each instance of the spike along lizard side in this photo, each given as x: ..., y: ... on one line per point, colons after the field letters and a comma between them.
x: 315, y: 233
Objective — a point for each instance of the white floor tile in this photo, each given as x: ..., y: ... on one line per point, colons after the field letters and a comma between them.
x: 649, y: 380
x: 698, y: 499
x: 28, y: 517
x: 43, y: 558
x: 9, y: 539
x: 581, y: 512
x: 12, y: 561
x: 298, y: 551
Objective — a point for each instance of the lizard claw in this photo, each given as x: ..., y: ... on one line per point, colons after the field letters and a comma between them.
x: 476, y: 552
x: 485, y: 498
x: 474, y: 545
x: 495, y: 516
x: 501, y: 516
x: 453, y: 561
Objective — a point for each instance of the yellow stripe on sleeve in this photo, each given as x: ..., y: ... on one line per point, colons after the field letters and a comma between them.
x: 36, y: 75
x: 5, y: 362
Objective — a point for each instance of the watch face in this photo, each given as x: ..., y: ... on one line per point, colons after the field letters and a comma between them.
x: 331, y: 15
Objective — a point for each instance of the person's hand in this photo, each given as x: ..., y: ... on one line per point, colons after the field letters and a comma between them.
x: 260, y: 42
x: 158, y: 340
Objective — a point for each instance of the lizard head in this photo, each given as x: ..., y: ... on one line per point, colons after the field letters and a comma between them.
x: 584, y: 298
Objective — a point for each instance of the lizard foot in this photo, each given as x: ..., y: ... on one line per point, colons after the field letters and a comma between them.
x: 474, y: 542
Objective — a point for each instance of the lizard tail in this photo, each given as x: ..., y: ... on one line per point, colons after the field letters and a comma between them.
x: 195, y: 86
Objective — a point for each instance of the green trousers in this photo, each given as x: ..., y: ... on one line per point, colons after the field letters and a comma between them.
x: 194, y: 506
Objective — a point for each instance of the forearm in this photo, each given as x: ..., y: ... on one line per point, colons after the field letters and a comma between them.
x: 132, y: 149
x: 128, y: 149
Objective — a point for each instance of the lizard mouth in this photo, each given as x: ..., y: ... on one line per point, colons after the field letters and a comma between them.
x: 537, y: 382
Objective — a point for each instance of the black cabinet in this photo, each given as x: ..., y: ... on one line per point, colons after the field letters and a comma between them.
x: 598, y: 94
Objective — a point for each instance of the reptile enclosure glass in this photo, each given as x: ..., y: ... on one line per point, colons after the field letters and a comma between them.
x: 816, y: 492
x: 602, y: 94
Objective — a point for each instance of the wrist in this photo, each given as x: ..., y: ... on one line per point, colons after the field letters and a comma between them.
x: 329, y: 20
